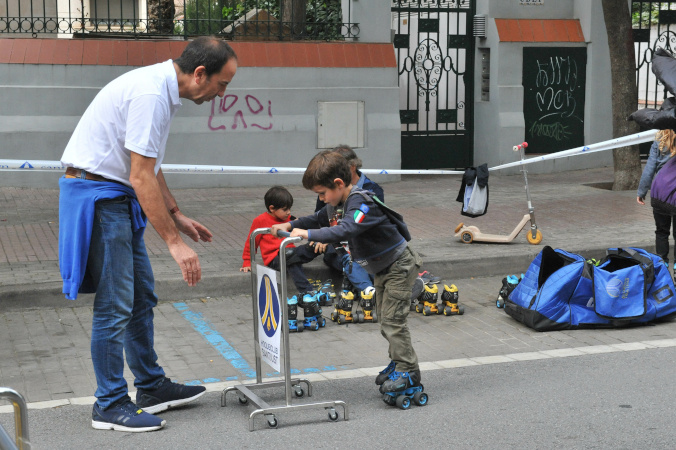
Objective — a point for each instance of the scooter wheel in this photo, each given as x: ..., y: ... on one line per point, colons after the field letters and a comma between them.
x: 334, y: 316
x: 538, y: 237
x: 300, y: 327
x: 467, y: 237
x: 375, y: 317
x: 459, y: 227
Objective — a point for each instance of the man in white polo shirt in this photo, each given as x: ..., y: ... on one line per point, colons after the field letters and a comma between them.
x: 113, y: 182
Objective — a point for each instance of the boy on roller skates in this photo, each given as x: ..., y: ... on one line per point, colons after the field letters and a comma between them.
x: 378, y: 241
x: 278, y: 203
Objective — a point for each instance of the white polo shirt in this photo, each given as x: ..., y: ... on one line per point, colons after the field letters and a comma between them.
x: 132, y: 113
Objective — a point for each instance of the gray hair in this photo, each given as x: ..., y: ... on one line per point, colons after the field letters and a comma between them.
x: 349, y: 154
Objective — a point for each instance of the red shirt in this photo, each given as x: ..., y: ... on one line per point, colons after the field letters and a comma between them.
x: 268, y: 244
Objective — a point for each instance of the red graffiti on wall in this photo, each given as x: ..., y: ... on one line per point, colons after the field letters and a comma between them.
x: 240, y: 115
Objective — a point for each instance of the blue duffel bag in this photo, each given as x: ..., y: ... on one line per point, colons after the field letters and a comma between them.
x: 562, y: 291
x: 633, y: 285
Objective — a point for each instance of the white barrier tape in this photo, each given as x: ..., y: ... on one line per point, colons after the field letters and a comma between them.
x: 624, y: 141
x: 55, y: 166
x: 13, y: 165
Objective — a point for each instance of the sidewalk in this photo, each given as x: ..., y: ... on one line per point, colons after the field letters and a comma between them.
x: 571, y: 215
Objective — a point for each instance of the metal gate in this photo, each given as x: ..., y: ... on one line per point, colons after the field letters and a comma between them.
x: 435, y: 54
x: 654, y: 26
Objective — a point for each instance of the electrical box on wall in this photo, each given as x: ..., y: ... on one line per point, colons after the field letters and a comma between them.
x: 340, y: 123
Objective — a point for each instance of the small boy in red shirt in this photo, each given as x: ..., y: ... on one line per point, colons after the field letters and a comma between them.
x: 278, y: 203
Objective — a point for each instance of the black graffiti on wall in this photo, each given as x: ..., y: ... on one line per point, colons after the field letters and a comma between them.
x: 553, y: 105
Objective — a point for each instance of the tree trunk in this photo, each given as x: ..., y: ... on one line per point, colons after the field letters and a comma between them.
x: 627, y: 161
x: 161, y: 16
x: 293, y: 16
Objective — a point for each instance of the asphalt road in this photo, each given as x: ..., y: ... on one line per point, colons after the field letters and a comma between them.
x: 600, y: 401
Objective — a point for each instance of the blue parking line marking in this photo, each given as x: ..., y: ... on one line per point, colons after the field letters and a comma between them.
x: 204, y: 328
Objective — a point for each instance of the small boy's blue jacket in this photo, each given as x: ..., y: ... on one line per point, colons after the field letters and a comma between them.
x: 374, y: 241
x: 77, y: 202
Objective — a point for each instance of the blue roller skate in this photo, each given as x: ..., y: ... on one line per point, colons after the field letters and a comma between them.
x: 402, y: 388
x: 325, y: 293
x: 313, y: 313
x: 509, y: 283
x: 385, y: 373
x: 294, y: 324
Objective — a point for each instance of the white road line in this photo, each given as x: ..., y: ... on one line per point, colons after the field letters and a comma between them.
x: 425, y: 366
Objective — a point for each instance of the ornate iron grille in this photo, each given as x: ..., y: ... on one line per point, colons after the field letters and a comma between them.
x: 435, y: 53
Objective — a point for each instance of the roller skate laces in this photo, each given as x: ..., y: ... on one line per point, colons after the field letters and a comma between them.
x: 385, y: 373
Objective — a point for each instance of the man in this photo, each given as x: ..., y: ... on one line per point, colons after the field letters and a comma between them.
x: 113, y: 182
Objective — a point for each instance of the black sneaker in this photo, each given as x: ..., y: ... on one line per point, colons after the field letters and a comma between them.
x: 400, y: 381
x: 385, y: 373
x: 428, y: 278
x: 125, y: 416
x: 167, y: 395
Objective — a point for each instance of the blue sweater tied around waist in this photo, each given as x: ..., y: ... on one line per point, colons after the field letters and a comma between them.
x: 77, y: 202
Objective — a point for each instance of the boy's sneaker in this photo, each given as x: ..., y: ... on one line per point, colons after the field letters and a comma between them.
x: 400, y: 381
x: 385, y: 373
x: 418, y: 287
x: 167, y: 395
x: 428, y: 278
x: 125, y: 416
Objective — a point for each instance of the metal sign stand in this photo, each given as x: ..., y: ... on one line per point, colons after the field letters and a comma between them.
x: 245, y: 392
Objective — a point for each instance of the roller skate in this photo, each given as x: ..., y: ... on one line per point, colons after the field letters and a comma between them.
x: 418, y: 288
x: 427, y: 301
x: 326, y: 294
x: 368, y: 302
x: 449, y: 301
x: 509, y: 283
x: 343, y: 309
x: 385, y: 373
x: 312, y: 312
x: 402, y: 388
x: 294, y: 324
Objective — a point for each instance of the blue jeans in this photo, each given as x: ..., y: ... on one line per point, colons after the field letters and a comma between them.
x: 123, y: 306
x: 357, y: 275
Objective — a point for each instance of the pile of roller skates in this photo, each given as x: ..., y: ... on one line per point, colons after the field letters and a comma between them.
x: 353, y: 306
x: 311, y: 303
x: 401, y: 389
x: 430, y: 301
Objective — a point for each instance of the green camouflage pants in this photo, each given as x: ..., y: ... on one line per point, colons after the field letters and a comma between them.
x: 393, y: 302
